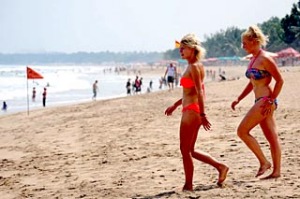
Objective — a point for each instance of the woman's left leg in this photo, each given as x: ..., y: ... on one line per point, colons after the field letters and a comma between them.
x: 187, y: 129
x: 206, y: 158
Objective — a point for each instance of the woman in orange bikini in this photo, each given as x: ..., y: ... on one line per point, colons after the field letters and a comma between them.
x: 193, y: 113
x: 260, y: 72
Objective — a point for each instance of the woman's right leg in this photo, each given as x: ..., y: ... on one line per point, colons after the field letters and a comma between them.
x: 269, y: 128
x: 206, y: 158
x: 253, y: 118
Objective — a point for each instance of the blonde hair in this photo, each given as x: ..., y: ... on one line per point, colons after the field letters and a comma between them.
x: 255, y: 33
x: 192, y: 41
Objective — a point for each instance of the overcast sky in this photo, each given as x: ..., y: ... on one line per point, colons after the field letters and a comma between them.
x: 123, y: 25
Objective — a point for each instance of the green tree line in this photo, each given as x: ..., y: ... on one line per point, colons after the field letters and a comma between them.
x: 282, y: 33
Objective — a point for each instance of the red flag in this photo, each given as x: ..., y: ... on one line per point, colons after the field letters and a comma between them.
x: 31, y: 74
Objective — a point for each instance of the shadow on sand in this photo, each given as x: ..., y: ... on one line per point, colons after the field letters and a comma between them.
x: 160, y: 195
x: 193, y: 194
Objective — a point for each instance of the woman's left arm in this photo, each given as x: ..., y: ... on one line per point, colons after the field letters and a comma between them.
x: 197, y: 75
x: 272, y: 68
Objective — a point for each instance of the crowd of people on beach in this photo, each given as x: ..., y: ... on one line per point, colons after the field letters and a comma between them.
x: 44, y: 96
x: 135, y: 87
x: 33, y: 98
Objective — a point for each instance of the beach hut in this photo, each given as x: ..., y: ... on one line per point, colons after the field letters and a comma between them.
x: 288, y: 56
x: 288, y: 52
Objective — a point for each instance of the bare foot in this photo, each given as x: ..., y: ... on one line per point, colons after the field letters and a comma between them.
x: 222, y: 174
x: 187, y: 187
x: 263, y: 169
x: 271, y: 176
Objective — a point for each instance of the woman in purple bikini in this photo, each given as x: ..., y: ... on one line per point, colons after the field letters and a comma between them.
x: 261, y: 70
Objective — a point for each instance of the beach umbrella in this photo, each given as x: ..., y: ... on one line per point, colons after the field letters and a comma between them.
x: 288, y: 52
x: 31, y: 74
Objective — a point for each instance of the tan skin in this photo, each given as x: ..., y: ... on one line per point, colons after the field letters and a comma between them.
x: 192, y: 121
x: 261, y: 112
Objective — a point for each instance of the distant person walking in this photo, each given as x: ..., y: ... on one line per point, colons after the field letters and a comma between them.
x: 150, y: 84
x: 95, y: 90
x: 128, y: 87
x: 137, y: 85
x: 141, y: 83
x: 44, y: 97
x: 33, y: 94
x: 4, y: 106
x: 171, y: 74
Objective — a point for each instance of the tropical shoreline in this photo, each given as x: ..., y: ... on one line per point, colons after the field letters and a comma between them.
x: 127, y: 148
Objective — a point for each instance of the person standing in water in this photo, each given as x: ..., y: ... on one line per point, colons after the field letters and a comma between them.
x: 44, y: 97
x: 4, y: 106
x: 33, y: 94
x: 95, y: 90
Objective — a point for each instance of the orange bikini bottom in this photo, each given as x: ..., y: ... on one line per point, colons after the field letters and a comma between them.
x: 194, y: 107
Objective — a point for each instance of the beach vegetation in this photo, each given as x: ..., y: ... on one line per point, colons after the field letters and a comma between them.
x: 291, y: 27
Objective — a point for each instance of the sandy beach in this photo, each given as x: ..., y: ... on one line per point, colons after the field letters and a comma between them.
x: 128, y: 148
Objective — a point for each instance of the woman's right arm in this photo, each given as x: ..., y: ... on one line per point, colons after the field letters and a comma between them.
x: 245, y: 92
x: 166, y: 72
x: 170, y: 109
x: 178, y: 103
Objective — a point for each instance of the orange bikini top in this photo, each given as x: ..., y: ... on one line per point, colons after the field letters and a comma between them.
x: 186, y: 82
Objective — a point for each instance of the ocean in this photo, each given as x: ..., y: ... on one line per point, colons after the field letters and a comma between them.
x: 65, y: 85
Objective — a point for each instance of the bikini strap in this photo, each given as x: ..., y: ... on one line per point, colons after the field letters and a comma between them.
x: 253, y: 59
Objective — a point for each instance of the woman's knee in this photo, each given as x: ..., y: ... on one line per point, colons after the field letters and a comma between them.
x: 242, y: 133
x: 185, y: 150
x: 193, y: 153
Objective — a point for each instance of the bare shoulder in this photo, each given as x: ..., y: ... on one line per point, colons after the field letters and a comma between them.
x: 197, y: 65
x: 267, y: 60
x: 200, y: 66
x: 197, y: 69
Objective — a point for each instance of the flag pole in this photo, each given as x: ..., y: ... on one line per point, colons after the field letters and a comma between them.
x: 31, y: 74
x: 27, y: 94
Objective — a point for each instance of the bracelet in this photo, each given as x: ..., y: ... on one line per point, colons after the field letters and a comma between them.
x: 202, y: 114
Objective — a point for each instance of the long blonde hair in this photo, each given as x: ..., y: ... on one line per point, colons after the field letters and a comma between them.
x: 254, y: 33
x: 192, y: 41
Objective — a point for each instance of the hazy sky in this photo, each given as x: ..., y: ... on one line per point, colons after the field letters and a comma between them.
x: 123, y: 25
